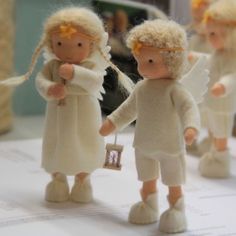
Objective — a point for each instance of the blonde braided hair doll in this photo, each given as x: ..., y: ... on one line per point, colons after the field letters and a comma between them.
x: 77, y: 54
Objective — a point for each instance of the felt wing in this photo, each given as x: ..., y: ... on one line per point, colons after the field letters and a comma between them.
x: 196, y: 80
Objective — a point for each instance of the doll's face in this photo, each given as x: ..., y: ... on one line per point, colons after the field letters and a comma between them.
x: 216, y: 35
x: 71, y: 50
x: 197, y: 15
x: 150, y: 63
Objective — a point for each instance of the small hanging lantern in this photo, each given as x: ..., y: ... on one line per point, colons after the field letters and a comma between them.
x: 113, y: 156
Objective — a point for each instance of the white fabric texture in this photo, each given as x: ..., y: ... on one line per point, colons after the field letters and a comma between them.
x: 82, y: 191
x: 174, y: 220
x: 144, y: 212
x: 215, y: 164
x: 71, y: 142
x: 222, y: 66
x: 58, y: 189
x: 172, y: 168
x: 220, y: 124
x: 163, y: 109
x: 199, y: 43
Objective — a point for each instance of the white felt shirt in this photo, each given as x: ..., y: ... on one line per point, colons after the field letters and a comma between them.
x: 222, y: 66
x: 71, y: 142
x: 163, y: 109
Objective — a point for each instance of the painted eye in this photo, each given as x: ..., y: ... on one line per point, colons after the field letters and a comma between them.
x: 212, y: 34
x: 79, y: 44
x: 59, y: 43
x: 150, y: 61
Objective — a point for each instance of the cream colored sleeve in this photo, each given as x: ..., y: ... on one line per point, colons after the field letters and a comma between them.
x: 186, y: 108
x: 229, y: 82
x: 88, y: 79
x: 125, y: 113
x: 43, y: 81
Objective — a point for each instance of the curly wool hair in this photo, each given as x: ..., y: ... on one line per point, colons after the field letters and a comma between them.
x: 223, y: 14
x: 80, y: 17
x: 163, y: 34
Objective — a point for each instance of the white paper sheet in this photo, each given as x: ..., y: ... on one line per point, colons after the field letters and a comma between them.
x: 210, y: 204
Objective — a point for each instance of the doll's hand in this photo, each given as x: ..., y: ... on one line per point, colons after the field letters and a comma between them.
x: 57, y: 91
x: 190, y: 57
x: 190, y: 135
x: 218, y: 89
x: 107, y: 128
x: 66, y: 71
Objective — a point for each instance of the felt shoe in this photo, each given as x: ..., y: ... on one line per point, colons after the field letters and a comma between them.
x: 215, y: 164
x: 173, y: 220
x: 144, y: 212
x: 58, y: 189
x: 82, y: 191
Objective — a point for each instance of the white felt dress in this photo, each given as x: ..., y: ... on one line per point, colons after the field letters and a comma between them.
x: 71, y: 141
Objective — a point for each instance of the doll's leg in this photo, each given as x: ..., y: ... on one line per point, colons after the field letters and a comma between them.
x: 216, y: 162
x: 199, y: 148
x: 58, y: 189
x: 82, y: 190
x: 205, y: 145
x: 173, y: 220
x: 146, y: 211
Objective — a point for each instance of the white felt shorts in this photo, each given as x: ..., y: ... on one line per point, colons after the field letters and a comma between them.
x: 220, y: 125
x: 171, y: 168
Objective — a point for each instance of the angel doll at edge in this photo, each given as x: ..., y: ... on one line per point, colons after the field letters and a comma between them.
x: 220, y: 101
x: 71, y: 81
x: 166, y: 117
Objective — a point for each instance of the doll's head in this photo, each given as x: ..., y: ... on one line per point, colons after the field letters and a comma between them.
x: 198, y: 8
x: 220, y: 23
x: 72, y: 33
x: 159, y: 48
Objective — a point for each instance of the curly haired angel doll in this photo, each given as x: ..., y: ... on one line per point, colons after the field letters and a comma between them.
x: 220, y: 102
x: 71, y: 81
x: 166, y: 117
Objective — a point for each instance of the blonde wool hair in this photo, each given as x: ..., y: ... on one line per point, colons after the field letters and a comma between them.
x: 89, y: 23
x: 163, y: 34
x: 223, y: 14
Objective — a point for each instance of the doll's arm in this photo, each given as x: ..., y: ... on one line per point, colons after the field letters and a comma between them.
x: 187, y: 110
x: 225, y: 86
x: 48, y: 89
x: 88, y: 79
x: 125, y: 113
x: 193, y: 57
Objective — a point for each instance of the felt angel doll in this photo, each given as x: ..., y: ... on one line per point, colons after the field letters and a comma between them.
x: 71, y: 82
x: 198, y: 41
x: 166, y: 117
x: 220, y: 102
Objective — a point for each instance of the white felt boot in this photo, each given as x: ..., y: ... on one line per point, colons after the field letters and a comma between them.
x: 58, y: 189
x: 173, y: 220
x: 82, y: 190
x: 215, y: 164
x: 144, y: 212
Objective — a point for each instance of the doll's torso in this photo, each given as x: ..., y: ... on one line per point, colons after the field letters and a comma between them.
x: 221, y: 64
x: 71, y: 142
x: 158, y: 126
